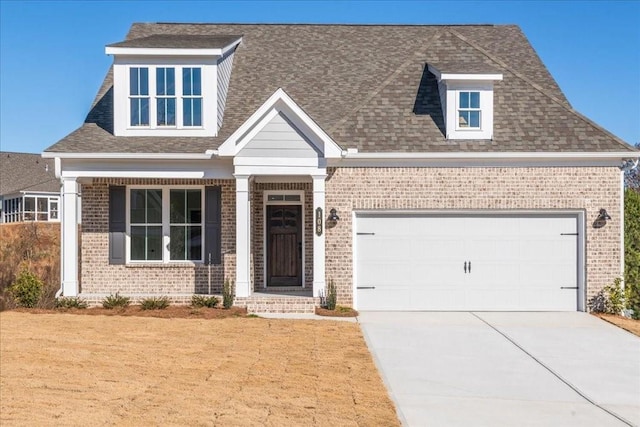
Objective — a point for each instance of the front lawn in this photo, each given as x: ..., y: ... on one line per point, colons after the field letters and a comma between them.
x: 63, y: 369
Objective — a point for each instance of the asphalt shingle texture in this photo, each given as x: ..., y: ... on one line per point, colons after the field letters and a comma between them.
x: 368, y: 87
x: 26, y: 172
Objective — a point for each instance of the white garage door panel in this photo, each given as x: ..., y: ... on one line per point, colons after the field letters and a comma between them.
x: 417, y: 262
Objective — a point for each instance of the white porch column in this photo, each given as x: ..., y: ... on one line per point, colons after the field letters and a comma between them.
x: 69, y: 229
x: 318, y: 241
x: 243, y: 246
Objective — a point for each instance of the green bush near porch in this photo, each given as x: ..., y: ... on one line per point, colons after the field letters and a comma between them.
x: 632, y: 249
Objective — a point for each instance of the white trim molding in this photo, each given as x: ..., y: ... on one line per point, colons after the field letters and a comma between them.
x: 280, y: 102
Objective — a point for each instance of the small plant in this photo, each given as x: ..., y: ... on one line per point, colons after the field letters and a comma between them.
x: 116, y: 301
x: 332, y: 296
x: 227, y: 293
x: 612, y: 299
x: 204, y: 301
x: 71, y: 302
x: 155, y: 303
x: 27, y: 289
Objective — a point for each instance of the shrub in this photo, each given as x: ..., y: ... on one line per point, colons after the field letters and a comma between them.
x: 632, y: 249
x: 332, y: 296
x: 155, y: 303
x: 71, y: 302
x: 227, y: 293
x: 611, y: 300
x: 115, y: 301
x: 27, y: 289
x: 204, y: 301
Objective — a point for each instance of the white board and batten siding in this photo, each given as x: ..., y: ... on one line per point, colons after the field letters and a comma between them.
x: 467, y: 262
x: 279, y: 138
x: 224, y: 77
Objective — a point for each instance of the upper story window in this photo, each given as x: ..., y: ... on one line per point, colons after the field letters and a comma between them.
x: 191, y: 97
x: 166, y: 96
x: 139, y: 96
x: 469, y: 110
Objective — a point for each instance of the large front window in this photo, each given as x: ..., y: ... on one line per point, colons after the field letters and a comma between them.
x: 469, y: 110
x: 166, y: 224
x: 139, y: 96
x: 191, y: 97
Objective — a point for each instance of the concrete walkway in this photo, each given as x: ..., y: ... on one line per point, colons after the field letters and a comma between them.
x: 488, y: 369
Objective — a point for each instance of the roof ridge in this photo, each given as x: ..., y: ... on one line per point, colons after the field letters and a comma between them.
x: 385, y: 82
x: 538, y: 87
x: 328, y: 24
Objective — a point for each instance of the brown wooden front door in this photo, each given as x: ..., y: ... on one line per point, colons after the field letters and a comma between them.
x: 284, y: 245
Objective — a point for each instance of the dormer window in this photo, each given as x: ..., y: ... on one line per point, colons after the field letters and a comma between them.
x: 467, y: 100
x: 170, y: 84
x: 139, y: 96
x: 469, y: 110
x: 166, y: 96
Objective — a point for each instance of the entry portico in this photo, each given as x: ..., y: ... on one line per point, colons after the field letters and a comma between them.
x: 278, y: 143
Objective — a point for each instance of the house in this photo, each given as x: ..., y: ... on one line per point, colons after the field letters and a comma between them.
x: 415, y: 167
x: 29, y: 189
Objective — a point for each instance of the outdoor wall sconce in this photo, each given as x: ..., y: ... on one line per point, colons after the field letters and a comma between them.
x: 603, y: 216
x: 333, y: 215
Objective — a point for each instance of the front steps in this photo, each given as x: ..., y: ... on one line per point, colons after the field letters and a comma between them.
x: 292, y: 301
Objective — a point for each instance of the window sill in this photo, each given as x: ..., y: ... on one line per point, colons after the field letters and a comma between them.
x: 174, y: 264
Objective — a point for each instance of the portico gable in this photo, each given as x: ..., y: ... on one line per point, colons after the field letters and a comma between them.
x: 278, y: 143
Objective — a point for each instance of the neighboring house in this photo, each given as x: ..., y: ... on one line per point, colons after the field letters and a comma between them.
x: 415, y: 167
x: 29, y: 189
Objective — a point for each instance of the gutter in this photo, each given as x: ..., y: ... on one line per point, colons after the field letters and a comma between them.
x: 352, y: 154
x: 137, y: 156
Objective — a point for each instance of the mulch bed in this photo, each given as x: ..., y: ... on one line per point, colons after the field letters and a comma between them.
x: 338, y: 312
x: 625, y: 323
x: 171, y: 312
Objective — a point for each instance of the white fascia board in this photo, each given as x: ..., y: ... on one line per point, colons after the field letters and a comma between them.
x: 492, y: 155
x: 278, y: 161
x: 279, y: 101
x: 139, y: 156
x: 133, y: 51
x: 132, y: 174
x: 464, y: 76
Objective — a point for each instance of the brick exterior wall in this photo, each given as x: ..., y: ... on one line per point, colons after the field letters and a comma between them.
x: 527, y: 188
x: 98, y: 277
x: 348, y: 189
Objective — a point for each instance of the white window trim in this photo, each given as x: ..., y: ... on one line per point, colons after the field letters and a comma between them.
x: 153, y: 97
x: 157, y: 97
x: 454, y: 131
x: 166, y: 225
x: 266, y: 202
x: 138, y: 97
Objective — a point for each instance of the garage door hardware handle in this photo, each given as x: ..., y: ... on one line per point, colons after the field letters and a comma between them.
x: 465, y: 267
x: 365, y: 234
x: 366, y: 287
x: 568, y: 287
x: 469, y: 266
x: 568, y: 234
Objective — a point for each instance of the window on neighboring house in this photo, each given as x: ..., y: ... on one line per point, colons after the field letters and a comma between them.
x: 191, y: 97
x: 29, y: 209
x: 166, y: 96
x: 160, y: 213
x: 146, y: 224
x: 139, y: 96
x: 468, y: 110
x: 53, y: 209
x: 185, y: 217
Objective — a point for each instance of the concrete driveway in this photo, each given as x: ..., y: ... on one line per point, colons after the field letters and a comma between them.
x: 489, y: 369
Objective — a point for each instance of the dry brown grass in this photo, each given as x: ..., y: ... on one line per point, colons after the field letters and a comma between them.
x: 36, y: 247
x: 97, y: 370
x: 625, y: 323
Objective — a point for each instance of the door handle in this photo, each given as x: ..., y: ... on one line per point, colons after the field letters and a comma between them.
x: 465, y: 267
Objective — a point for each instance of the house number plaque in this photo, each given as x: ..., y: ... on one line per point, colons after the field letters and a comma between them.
x: 319, y: 221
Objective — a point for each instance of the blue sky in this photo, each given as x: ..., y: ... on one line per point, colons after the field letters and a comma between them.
x: 52, y: 59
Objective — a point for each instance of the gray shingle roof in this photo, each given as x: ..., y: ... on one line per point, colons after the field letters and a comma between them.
x: 26, y: 172
x: 368, y: 87
x: 185, y: 41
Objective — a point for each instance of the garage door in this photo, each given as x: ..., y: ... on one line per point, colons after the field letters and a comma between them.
x: 462, y: 262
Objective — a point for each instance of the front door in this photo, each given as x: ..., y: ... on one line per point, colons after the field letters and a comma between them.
x: 284, y: 245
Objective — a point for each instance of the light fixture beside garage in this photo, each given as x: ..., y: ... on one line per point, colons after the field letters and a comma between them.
x: 603, y: 216
x: 333, y: 215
